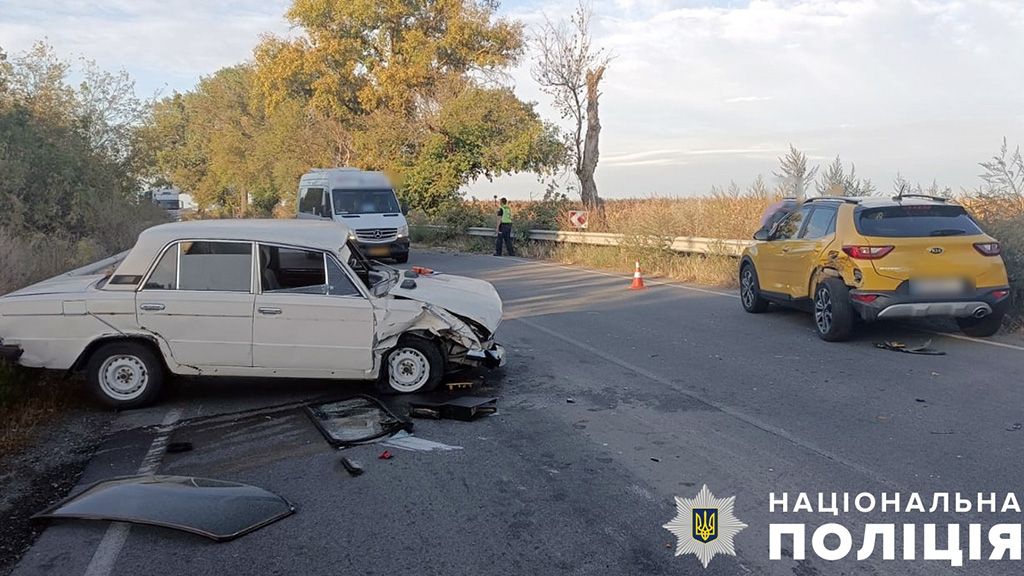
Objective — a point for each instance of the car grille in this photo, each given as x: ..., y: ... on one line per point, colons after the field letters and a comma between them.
x: 377, y: 234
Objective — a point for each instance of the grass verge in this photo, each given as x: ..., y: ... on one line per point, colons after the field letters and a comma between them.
x: 28, y: 399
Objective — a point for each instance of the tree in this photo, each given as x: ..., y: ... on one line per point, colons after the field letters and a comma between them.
x: 1003, y: 177
x: 220, y: 143
x: 794, y: 174
x: 570, y: 68
x: 409, y: 88
x: 758, y: 189
x: 66, y: 152
x: 836, y: 182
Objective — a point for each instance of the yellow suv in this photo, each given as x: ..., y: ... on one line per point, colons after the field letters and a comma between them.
x: 908, y: 256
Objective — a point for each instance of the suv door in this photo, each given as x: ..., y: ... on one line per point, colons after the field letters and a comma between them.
x: 801, y: 256
x: 199, y: 299
x: 773, y: 255
x: 310, y: 315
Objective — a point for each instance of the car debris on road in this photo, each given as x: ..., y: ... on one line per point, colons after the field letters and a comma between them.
x: 923, y: 349
x: 216, y: 509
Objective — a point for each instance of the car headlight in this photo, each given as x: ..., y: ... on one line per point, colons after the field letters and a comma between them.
x: 403, y: 230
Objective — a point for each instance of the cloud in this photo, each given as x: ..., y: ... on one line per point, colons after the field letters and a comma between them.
x: 921, y: 86
x: 699, y: 92
x: 736, y: 99
x: 171, y: 42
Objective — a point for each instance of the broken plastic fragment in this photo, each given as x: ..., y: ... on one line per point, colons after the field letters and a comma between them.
x: 215, y: 509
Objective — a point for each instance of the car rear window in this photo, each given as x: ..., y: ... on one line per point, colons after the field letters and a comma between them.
x: 915, y: 220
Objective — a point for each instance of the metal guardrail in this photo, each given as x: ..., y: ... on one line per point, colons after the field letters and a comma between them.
x: 682, y: 244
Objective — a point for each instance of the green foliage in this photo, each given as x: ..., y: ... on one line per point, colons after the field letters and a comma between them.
x: 67, y: 155
x: 220, y: 143
x: 403, y: 87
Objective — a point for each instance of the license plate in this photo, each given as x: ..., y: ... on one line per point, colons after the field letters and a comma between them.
x: 937, y: 287
x: 379, y: 251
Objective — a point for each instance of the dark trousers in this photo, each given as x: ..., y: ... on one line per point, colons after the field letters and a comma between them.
x: 504, y: 235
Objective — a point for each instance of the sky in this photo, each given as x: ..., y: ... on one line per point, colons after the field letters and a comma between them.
x: 699, y: 93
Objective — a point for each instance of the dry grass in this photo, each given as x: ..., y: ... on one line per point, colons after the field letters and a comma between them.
x: 28, y: 399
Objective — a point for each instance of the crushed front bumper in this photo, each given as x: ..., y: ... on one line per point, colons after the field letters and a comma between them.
x: 900, y: 304
x: 492, y: 357
x: 10, y: 353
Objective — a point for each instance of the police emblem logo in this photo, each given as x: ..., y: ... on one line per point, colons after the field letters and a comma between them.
x: 705, y: 526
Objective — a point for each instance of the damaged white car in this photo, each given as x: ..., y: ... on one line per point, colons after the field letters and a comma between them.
x: 267, y: 298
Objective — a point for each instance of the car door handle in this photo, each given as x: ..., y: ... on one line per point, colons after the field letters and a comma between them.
x: 270, y: 311
x: 785, y: 248
x: 151, y: 307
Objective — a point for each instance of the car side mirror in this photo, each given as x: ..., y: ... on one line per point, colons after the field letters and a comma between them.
x: 405, y: 208
x: 762, y: 235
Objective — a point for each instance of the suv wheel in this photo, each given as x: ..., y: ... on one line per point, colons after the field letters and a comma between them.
x: 124, y: 374
x: 833, y: 313
x: 750, y: 290
x: 981, y: 327
x: 415, y: 365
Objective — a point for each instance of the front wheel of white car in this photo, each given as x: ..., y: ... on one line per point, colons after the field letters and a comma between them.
x: 415, y: 365
x: 124, y: 374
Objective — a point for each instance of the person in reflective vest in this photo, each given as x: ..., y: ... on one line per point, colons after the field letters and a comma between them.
x: 504, y: 228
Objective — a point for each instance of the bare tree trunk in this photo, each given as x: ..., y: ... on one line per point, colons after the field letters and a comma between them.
x: 588, y: 188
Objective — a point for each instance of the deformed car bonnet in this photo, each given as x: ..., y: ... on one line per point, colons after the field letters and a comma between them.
x: 216, y: 509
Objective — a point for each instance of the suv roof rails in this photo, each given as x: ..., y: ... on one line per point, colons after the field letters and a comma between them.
x: 844, y: 199
x: 899, y: 197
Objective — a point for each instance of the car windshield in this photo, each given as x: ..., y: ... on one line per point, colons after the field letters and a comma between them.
x: 355, y: 202
x: 379, y: 278
x: 916, y: 221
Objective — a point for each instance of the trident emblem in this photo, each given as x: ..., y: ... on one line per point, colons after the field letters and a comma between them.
x: 704, y: 525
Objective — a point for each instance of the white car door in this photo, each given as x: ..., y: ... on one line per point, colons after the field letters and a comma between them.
x: 310, y: 316
x: 199, y: 299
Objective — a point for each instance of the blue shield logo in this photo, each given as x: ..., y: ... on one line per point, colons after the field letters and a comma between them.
x: 705, y: 524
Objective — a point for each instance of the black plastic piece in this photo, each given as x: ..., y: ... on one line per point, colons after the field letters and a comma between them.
x: 215, y: 509
x: 463, y: 408
x: 408, y: 284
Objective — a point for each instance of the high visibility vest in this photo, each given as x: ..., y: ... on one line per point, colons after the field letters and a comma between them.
x: 506, y: 214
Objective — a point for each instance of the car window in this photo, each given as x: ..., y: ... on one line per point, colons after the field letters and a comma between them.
x: 296, y: 271
x: 165, y: 275
x: 789, y: 227
x: 821, y: 223
x: 340, y: 283
x: 311, y: 201
x: 915, y: 221
x: 215, y: 266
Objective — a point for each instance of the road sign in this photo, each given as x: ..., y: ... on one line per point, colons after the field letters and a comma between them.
x: 578, y: 218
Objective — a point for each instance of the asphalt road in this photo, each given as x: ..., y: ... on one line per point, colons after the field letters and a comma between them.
x: 671, y: 388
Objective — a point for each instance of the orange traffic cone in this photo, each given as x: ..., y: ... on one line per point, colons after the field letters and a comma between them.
x: 638, y: 279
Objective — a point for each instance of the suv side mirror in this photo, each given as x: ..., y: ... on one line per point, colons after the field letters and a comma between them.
x: 405, y: 208
x: 762, y: 235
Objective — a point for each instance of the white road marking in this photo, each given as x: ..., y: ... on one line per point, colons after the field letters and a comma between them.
x: 102, y: 563
x: 730, y: 295
x: 724, y: 408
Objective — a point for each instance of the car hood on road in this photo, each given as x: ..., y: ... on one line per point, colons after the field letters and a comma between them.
x: 466, y: 297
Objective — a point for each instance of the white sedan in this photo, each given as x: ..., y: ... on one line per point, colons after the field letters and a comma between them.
x: 269, y: 298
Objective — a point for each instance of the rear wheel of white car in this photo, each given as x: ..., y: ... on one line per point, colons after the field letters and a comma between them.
x: 124, y: 374
x: 415, y: 365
